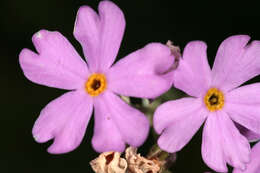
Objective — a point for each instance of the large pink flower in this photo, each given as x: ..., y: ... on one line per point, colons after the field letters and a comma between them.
x: 95, y: 84
x: 216, y: 99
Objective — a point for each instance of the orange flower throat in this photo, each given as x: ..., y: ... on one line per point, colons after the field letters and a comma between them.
x: 96, y: 84
x: 214, y: 99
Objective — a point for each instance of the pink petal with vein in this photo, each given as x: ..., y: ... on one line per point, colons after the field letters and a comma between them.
x: 173, y: 111
x: 178, y: 121
x: 141, y: 74
x: 254, y: 165
x: 211, y: 148
x: 193, y: 75
x: 65, y: 119
x: 222, y: 143
x: 107, y: 136
x: 57, y: 64
x: 100, y: 35
x: 130, y: 123
x: 250, y: 135
x: 236, y: 62
x: 243, y: 106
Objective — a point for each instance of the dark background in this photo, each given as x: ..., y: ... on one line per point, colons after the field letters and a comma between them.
x: 147, y: 21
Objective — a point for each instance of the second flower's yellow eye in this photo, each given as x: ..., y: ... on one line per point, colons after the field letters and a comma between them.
x: 96, y: 84
x: 214, y: 99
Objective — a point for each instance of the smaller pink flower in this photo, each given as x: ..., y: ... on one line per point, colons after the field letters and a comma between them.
x: 254, y: 165
x: 95, y: 85
x: 216, y: 100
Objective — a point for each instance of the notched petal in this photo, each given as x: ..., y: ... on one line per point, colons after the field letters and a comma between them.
x: 56, y: 63
x: 194, y: 62
x: 65, y: 119
x: 100, y: 34
x: 236, y: 62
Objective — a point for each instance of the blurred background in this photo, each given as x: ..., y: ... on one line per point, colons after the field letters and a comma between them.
x: 146, y: 21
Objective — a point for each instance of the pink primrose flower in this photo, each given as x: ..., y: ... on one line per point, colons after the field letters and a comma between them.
x: 216, y: 100
x: 95, y: 84
x: 254, y: 165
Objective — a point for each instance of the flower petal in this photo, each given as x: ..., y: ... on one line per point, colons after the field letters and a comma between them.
x: 193, y: 74
x: 254, y: 165
x: 173, y: 111
x: 106, y: 136
x: 211, y: 149
x: 236, y: 62
x: 65, y: 119
x: 250, y: 135
x: 243, y: 106
x: 235, y: 146
x: 178, y: 121
x: 222, y: 143
x: 87, y: 32
x: 140, y: 74
x: 57, y: 64
x: 131, y: 123
x: 100, y: 35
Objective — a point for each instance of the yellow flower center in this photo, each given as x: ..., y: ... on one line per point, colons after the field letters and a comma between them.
x: 96, y: 84
x: 214, y: 99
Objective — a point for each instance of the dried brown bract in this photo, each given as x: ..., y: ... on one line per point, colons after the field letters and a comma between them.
x: 176, y: 52
x: 109, y: 162
x: 139, y: 164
